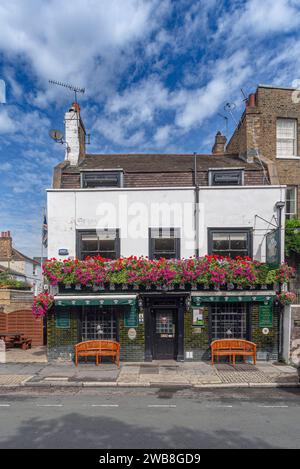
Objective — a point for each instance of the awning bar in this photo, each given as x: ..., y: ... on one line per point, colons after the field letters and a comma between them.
x: 69, y: 300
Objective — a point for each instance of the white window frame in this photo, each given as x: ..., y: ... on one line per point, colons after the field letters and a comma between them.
x: 278, y: 139
x: 290, y: 215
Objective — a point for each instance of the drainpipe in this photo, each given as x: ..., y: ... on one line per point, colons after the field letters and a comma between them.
x: 196, y: 212
x: 280, y: 205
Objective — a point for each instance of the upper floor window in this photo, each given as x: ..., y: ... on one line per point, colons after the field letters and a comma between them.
x: 291, y: 202
x: 101, y: 179
x: 104, y: 243
x: 224, y: 177
x: 230, y: 242
x: 164, y: 242
x: 286, y: 138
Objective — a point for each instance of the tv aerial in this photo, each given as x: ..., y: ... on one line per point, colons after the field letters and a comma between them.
x: 75, y: 89
x: 226, y: 122
x: 230, y: 107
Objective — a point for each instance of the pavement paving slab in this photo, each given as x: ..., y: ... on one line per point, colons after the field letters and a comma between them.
x: 145, y: 374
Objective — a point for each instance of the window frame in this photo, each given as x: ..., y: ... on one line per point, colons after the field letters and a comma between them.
x: 295, y: 146
x: 213, y: 171
x: 152, y: 239
x: 79, y: 234
x: 294, y: 215
x: 118, y: 173
x: 248, y: 231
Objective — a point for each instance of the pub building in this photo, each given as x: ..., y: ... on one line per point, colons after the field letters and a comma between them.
x: 234, y: 205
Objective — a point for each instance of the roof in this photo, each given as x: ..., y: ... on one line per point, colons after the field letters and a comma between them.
x: 18, y: 256
x: 161, y: 162
x: 287, y: 88
x: 11, y: 271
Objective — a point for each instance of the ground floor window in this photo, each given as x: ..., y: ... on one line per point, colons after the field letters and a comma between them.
x: 229, y: 321
x: 99, y: 323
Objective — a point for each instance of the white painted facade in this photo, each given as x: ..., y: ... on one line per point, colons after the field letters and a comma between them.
x: 134, y: 211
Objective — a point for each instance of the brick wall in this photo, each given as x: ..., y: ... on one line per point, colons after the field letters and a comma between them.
x: 257, y: 129
x: 5, y: 246
x: 71, y: 180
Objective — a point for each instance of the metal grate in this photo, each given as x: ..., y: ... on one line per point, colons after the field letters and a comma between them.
x: 229, y: 321
x: 98, y: 324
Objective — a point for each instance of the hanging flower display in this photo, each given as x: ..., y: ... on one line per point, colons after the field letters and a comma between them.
x: 41, y: 303
x: 209, y: 271
x: 287, y: 298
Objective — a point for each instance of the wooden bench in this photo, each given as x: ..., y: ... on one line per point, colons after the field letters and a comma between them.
x: 98, y: 349
x: 233, y: 348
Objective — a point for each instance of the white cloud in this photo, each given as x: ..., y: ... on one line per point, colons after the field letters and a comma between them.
x: 7, y: 124
x: 74, y: 41
x: 139, y: 107
x: 259, y: 18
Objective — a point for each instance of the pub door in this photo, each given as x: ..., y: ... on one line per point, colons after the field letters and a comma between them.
x: 164, y: 323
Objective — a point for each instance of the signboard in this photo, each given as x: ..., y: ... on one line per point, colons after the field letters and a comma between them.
x: 273, y: 248
x: 198, y: 317
x: 197, y: 301
x: 131, y: 333
x: 131, y: 317
x: 265, y: 316
x: 63, y: 320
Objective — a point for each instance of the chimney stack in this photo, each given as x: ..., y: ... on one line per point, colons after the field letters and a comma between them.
x: 219, y: 145
x: 5, y: 246
x: 74, y: 135
x: 251, y: 101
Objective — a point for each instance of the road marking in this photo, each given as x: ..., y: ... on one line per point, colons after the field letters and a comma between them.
x: 274, y: 406
x: 49, y: 405
x: 161, y: 405
x: 4, y: 405
x: 105, y: 405
x: 226, y: 406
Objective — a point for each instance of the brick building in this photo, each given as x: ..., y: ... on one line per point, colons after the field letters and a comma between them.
x: 229, y: 204
x: 270, y: 128
x: 17, y: 265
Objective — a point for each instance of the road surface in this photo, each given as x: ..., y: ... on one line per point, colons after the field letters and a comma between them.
x: 152, y: 418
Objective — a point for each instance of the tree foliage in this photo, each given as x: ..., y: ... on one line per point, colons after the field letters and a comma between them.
x: 292, y: 237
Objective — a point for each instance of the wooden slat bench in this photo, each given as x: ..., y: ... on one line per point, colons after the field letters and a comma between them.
x: 98, y: 349
x: 233, y: 348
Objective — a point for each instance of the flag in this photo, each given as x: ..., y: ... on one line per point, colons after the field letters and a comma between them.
x: 45, y: 232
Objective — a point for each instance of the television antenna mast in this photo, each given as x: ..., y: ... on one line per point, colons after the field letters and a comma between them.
x: 226, y: 121
x: 75, y: 89
x: 230, y: 107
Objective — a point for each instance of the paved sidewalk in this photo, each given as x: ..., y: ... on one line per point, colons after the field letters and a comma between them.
x: 155, y: 374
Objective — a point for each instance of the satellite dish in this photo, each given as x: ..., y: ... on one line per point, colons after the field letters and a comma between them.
x: 56, y: 135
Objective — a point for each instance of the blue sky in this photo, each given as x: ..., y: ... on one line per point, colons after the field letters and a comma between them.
x: 157, y: 75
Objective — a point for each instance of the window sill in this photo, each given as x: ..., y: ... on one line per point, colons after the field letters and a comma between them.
x: 287, y: 157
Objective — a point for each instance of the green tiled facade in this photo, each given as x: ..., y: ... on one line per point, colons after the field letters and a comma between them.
x: 61, y: 341
x: 131, y: 350
x: 265, y: 343
x: 196, y: 339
